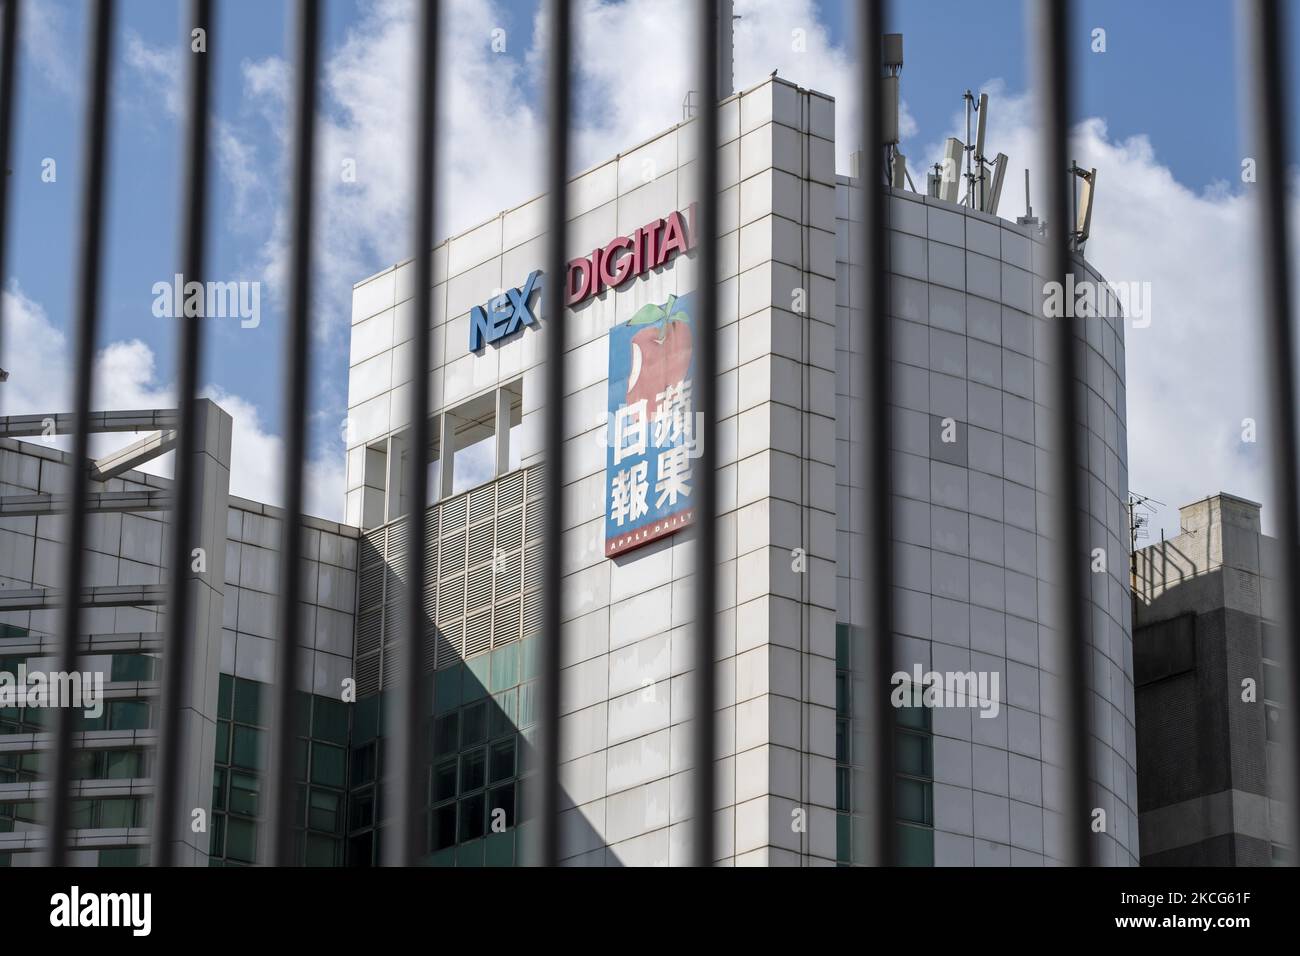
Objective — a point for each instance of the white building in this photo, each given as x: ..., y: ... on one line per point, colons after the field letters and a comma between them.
x: 967, y: 561
x: 968, y: 517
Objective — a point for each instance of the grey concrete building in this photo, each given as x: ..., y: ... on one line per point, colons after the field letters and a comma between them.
x: 1207, y: 676
x: 233, y: 648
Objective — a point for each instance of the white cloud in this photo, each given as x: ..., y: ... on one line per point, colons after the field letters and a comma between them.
x: 237, y: 160
x: 157, y: 74
x: 1196, y: 371
x: 636, y: 61
x: 32, y: 345
x: 366, y: 113
x: 159, y: 67
x: 45, y: 34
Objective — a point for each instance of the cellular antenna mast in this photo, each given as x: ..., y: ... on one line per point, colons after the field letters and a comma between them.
x: 974, y: 151
x: 1083, y: 198
x: 983, y: 178
x: 726, y: 48
x: 1028, y: 219
x: 725, y: 58
x: 895, y: 162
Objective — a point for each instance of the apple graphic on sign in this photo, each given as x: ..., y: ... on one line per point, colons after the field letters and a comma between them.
x: 661, y: 352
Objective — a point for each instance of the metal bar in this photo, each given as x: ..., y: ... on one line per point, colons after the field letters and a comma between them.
x: 20, y: 840
x: 44, y: 645
x: 557, y: 153
x: 405, y: 836
x: 873, y: 649
x: 132, y: 456
x: 8, y: 93
x: 107, y: 595
x: 89, y: 789
x: 297, y: 345
x: 64, y: 423
x: 1071, y: 612
x: 180, y: 626
x: 87, y: 740
x: 704, y: 471
x: 1267, y: 26
x: 89, y: 263
x: 23, y: 506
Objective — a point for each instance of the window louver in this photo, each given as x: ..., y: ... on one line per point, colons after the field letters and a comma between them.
x: 505, y: 623
x: 478, y: 633
x: 480, y: 543
x: 368, y: 675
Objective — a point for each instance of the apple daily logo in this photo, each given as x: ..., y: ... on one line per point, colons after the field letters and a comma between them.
x: 504, y: 315
x: 75, y: 909
x: 618, y: 262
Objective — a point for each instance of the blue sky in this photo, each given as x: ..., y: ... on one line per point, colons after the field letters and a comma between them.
x: 1165, y: 89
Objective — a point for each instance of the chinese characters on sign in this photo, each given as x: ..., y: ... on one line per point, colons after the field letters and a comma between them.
x: 652, y: 435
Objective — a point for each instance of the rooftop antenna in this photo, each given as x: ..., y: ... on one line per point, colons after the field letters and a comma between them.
x: 726, y: 48
x: 968, y: 199
x: 975, y: 150
x: 951, y: 175
x: 933, y: 180
x: 1082, y: 203
x: 983, y: 178
x: 892, y: 58
x: 1140, y: 509
x: 994, y: 194
x: 1028, y: 219
x: 725, y: 58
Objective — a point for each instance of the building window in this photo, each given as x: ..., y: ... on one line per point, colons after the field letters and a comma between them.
x: 1271, y: 684
x: 915, y: 845
x: 1272, y: 723
x: 475, y: 765
x: 320, y: 758
x: 913, y: 757
x: 1271, y: 681
x: 1270, y: 641
x: 133, y: 667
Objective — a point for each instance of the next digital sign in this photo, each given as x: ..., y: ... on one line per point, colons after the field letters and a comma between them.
x: 618, y: 262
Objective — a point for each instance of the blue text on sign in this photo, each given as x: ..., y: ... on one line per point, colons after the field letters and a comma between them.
x: 504, y: 315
